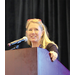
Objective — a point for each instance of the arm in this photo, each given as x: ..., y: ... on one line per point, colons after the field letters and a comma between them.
x: 53, y: 51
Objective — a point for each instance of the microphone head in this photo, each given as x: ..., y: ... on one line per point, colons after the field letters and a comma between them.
x: 25, y: 38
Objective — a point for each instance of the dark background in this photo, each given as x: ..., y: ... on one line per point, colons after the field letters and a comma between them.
x: 55, y: 14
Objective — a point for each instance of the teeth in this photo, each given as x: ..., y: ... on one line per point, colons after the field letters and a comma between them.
x: 33, y: 36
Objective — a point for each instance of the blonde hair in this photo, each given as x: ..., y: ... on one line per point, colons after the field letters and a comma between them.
x: 45, y: 38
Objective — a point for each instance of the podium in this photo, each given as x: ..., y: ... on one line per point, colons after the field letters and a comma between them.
x: 32, y: 61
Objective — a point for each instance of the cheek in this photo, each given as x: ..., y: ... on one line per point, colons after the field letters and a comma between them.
x: 40, y: 34
x: 27, y: 34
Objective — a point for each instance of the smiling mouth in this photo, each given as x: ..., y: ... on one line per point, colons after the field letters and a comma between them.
x: 33, y: 37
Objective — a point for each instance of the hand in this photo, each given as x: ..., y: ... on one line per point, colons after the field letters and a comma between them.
x: 53, y: 55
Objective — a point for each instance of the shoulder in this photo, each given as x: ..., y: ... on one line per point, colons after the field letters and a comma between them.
x: 52, y: 47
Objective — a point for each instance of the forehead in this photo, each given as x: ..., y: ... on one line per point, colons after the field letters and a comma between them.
x: 33, y: 25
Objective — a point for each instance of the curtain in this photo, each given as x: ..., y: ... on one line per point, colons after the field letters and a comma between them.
x: 55, y: 14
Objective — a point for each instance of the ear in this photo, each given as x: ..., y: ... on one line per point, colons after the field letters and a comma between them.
x: 26, y: 31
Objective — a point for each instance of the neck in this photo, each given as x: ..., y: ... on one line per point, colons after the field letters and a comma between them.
x: 35, y: 44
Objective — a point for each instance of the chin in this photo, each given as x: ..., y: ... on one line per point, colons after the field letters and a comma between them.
x: 33, y: 41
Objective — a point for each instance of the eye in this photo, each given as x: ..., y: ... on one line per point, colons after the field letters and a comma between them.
x: 36, y: 29
x: 30, y: 29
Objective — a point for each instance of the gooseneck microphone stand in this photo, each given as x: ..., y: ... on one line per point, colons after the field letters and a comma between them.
x: 16, y: 47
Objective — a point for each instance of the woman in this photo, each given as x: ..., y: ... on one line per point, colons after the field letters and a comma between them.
x: 37, y: 35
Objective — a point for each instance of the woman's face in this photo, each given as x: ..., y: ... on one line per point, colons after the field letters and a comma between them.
x: 34, y: 32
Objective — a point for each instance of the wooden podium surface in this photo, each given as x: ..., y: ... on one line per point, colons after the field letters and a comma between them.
x: 32, y: 61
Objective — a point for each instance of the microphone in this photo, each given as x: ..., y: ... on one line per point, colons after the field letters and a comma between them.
x: 18, y: 41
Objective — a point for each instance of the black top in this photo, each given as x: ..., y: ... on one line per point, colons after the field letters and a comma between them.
x: 49, y: 47
x: 52, y: 47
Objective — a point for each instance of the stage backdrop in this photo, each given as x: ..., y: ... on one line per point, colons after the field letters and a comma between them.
x: 55, y: 14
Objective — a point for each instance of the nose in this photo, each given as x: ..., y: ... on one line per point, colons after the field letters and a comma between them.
x: 33, y: 31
